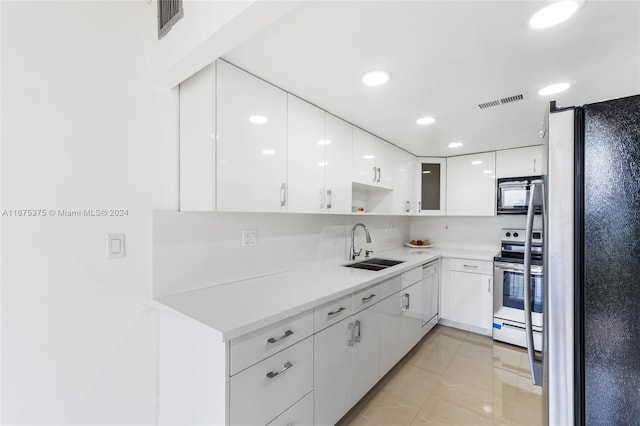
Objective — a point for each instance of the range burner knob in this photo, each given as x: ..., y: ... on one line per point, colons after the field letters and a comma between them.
x: 515, y: 234
x: 508, y: 234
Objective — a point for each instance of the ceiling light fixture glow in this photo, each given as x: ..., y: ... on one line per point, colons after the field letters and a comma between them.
x: 455, y: 144
x: 553, y: 14
x: 553, y: 89
x: 476, y: 162
x: 369, y: 157
x: 268, y: 151
x: 376, y: 78
x: 426, y: 172
x: 487, y: 171
x: 323, y: 142
x: 425, y: 121
x: 258, y: 119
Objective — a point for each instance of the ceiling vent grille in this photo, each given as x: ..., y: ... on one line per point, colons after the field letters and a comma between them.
x: 502, y: 101
x: 169, y: 12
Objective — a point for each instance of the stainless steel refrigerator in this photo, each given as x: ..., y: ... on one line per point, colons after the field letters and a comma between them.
x: 590, y: 364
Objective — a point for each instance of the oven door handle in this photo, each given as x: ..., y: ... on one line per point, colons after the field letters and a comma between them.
x: 517, y: 271
x: 536, y: 199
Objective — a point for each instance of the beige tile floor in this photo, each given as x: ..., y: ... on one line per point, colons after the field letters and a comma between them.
x: 454, y: 377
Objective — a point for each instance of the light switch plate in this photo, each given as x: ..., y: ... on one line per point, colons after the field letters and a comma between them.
x: 115, y: 246
x: 249, y: 237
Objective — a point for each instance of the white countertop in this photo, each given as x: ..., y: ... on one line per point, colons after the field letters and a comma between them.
x: 241, y: 307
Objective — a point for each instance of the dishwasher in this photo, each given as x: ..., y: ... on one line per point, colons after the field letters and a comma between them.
x: 430, y: 295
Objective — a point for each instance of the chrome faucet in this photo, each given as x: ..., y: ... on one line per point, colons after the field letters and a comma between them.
x: 352, y: 249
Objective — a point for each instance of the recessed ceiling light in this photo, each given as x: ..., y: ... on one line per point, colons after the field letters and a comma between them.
x: 476, y: 162
x: 375, y: 78
x: 425, y: 120
x: 268, y: 151
x: 323, y: 142
x: 553, y: 14
x: 258, y: 119
x: 455, y: 144
x: 553, y: 89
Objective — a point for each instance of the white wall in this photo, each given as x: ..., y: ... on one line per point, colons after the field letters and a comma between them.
x: 82, y: 128
x: 195, y: 250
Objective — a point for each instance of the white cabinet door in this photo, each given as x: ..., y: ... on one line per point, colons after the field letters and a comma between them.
x: 471, y: 185
x: 431, y: 185
x: 403, y: 172
x: 306, y: 157
x: 370, y: 158
x: 412, y: 309
x: 430, y: 295
x: 338, y: 159
x: 252, y: 143
x: 472, y: 299
x: 332, y: 372
x: 519, y: 162
x: 365, y: 367
x: 391, y: 337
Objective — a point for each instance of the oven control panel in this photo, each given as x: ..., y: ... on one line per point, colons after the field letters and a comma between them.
x: 510, y: 235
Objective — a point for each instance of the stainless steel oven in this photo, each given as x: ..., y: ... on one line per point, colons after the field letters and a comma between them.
x: 508, y: 303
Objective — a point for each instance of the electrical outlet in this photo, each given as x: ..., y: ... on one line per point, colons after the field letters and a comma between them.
x: 249, y: 237
x: 115, y: 246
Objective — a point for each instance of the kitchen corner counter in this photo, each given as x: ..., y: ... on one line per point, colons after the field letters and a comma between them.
x: 238, y: 308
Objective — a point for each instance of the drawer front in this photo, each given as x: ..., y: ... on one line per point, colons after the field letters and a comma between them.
x: 254, y: 347
x: 473, y: 266
x: 331, y: 313
x: 367, y: 297
x: 301, y: 414
x: 263, y: 391
x: 411, y: 277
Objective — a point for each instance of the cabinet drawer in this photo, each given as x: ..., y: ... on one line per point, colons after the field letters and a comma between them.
x: 253, y: 347
x: 367, y: 297
x: 301, y: 414
x: 263, y: 391
x: 473, y: 266
x: 411, y: 277
x: 332, y: 312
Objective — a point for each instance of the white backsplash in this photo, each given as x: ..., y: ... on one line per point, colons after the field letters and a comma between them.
x: 196, y: 250
x: 466, y: 232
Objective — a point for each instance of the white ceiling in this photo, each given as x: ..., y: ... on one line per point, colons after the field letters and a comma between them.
x: 446, y: 57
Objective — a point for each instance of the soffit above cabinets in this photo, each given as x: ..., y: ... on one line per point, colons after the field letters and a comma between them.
x: 446, y: 58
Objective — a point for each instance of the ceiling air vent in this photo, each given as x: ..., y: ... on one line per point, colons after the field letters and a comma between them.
x: 169, y: 12
x: 502, y: 101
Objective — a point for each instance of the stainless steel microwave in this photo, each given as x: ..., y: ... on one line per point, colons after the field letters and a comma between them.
x: 513, y: 195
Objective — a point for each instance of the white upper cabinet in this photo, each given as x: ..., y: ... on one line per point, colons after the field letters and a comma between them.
x: 403, y: 182
x: 252, y: 143
x: 431, y: 185
x: 197, y: 141
x: 471, y: 185
x: 370, y: 156
x: 338, y: 151
x: 306, y: 159
x: 319, y: 160
x: 519, y: 162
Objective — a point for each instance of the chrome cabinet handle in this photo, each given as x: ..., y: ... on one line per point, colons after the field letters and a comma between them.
x: 534, y: 165
x: 351, y: 329
x: 368, y: 298
x: 287, y: 365
x: 322, y: 200
x: 404, y: 302
x: 408, y: 207
x: 358, y: 326
x: 329, y: 197
x: 419, y: 207
x: 375, y: 174
x: 274, y: 340
x: 489, y: 285
x: 336, y: 312
x: 470, y: 266
x: 283, y: 195
x: 379, y: 174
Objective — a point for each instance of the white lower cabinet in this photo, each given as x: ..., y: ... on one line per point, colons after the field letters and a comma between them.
x: 400, y: 325
x: 263, y: 391
x: 470, y: 295
x: 300, y: 414
x: 365, y: 370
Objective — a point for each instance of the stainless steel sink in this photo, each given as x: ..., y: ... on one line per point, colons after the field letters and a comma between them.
x: 374, y: 264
